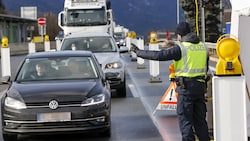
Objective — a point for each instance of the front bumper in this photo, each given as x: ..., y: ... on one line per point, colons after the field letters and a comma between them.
x: 83, y: 119
x: 33, y: 127
x: 115, y: 79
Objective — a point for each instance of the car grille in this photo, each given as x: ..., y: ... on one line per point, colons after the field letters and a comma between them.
x: 46, y: 104
x: 114, y: 79
x: 112, y: 76
x: 55, y: 125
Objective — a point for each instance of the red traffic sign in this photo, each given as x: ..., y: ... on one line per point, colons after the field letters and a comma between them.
x: 41, y: 21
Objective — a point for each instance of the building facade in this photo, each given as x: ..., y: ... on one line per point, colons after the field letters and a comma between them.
x: 16, y: 29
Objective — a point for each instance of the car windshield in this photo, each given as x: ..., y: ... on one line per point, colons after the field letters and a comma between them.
x: 57, y: 68
x: 94, y: 44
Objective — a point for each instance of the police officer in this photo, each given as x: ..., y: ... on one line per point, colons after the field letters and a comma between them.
x: 190, y: 62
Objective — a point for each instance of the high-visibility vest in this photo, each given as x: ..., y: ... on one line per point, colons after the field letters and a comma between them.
x: 193, y: 60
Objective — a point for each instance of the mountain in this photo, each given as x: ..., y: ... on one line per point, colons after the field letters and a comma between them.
x: 141, y: 16
x: 13, y: 6
x: 144, y: 16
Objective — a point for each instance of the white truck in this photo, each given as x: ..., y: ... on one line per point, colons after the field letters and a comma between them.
x: 86, y: 16
x: 120, y: 33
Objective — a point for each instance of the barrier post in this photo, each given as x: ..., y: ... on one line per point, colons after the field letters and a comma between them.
x: 229, y: 108
x: 154, y: 65
x: 128, y: 40
x: 58, y: 44
x: 46, y: 43
x: 229, y: 91
x: 140, y: 61
x: 32, y: 47
x: 133, y: 41
x: 5, y: 57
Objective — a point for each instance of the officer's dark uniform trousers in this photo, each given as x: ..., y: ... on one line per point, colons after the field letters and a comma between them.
x: 191, y: 109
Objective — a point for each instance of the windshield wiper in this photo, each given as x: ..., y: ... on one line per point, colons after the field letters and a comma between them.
x: 98, y: 23
x: 85, y: 24
x: 74, y: 24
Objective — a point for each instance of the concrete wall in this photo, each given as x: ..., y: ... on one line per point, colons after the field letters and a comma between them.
x: 244, y: 34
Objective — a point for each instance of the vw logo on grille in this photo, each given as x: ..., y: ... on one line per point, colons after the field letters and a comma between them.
x: 53, y: 104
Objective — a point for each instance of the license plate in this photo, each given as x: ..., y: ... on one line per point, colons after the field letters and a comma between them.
x: 54, y: 117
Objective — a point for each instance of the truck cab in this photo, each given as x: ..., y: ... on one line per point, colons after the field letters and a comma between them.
x: 86, y: 16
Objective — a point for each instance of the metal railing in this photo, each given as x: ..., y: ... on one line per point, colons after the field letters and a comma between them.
x: 212, y: 51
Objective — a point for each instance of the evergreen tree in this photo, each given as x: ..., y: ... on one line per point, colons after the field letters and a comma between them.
x: 211, y: 11
x: 2, y: 8
x: 189, y: 12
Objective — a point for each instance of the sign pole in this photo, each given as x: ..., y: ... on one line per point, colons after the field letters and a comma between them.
x: 42, y: 27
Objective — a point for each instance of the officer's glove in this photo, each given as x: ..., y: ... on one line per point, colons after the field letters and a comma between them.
x: 207, y: 78
x: 134, y: 48
x: 170, y: 44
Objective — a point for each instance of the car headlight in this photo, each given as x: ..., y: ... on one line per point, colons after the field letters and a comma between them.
x: 114, y: 65
x: 94, y: 100
x: 121, y: 41
x: 13, y: 103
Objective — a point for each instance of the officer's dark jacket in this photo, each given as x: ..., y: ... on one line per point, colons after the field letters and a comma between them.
x: 173, y: 53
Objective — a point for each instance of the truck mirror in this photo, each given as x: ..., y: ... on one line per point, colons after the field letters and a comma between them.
x: 108, y: 3
x: 61, y: 19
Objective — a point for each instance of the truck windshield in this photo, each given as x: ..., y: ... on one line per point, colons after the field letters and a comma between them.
x: 86, y: 17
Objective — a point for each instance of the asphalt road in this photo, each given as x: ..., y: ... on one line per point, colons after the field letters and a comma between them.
x: 151, y: 94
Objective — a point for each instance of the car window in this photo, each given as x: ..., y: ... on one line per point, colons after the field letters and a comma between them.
x: 94, y: 44
x: 57, y: 69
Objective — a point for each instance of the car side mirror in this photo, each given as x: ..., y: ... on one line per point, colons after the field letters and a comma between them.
x: 123, y: 49
x: 5, y: 80
x: 118, y: 44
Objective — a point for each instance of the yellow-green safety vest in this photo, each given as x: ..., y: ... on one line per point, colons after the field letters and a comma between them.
x: 193, y: 60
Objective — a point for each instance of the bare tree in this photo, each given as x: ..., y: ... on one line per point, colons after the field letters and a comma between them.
x: 52, y: 27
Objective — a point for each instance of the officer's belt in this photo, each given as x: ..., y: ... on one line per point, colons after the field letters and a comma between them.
x: 197, y: 78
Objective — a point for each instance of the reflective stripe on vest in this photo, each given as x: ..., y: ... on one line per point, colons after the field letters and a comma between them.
x: 194, y: 60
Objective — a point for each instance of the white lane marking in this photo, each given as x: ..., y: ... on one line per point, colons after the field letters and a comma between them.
x: 133, y: 90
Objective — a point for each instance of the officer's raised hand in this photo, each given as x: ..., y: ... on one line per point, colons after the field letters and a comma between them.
x: 134, y: 48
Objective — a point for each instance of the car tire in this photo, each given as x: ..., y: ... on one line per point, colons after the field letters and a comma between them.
x: 121, y: 92
x: 8, y: 137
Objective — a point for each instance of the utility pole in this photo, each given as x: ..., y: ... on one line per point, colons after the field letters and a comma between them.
x: 203, y: 21
x: 221, y: 15
x: 178, y: 12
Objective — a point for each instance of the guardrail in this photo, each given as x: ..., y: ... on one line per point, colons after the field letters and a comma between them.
x: 212, y: 51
